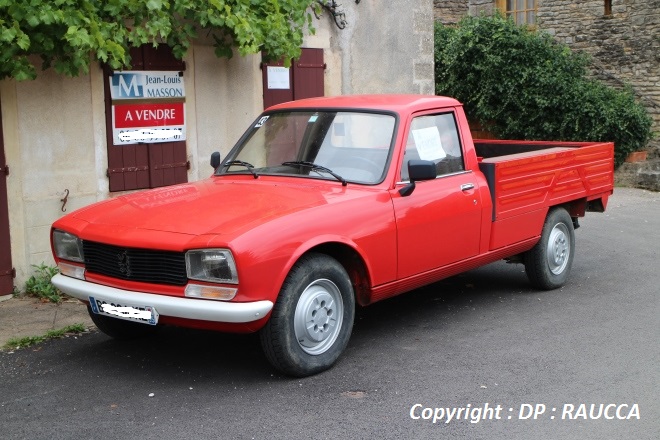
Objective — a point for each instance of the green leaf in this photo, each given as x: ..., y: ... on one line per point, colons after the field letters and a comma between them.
x: 154, y: 4
x: 23, y: 42
x: 33, y: 21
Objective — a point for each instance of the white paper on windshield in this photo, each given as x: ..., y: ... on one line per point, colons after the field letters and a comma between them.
x: 278, y: 77
x: 428, y: 143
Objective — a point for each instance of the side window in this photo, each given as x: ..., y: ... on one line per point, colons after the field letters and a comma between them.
x: 435, y: 138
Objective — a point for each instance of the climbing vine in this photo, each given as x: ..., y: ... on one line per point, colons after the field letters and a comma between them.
x: 70, y: 34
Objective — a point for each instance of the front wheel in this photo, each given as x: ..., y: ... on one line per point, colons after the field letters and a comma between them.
x: 549, y: 262
x: 312, y: 319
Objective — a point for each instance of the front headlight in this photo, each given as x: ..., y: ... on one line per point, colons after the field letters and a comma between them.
x: 68, y: 246
x: 211, y: 265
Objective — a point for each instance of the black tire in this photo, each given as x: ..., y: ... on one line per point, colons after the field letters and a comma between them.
x: 549, y: 262
x: 312, y: 319
x: 120, y: 329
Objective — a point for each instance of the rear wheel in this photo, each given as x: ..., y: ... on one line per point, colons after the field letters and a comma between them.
x: 120, y: 329
x: 312, y: 319
x: 549, y: 262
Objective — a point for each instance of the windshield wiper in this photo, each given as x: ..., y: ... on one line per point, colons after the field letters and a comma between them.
x: 247, y: 165
x: 315, y: 167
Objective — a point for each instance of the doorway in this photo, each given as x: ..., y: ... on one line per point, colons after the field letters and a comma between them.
x: 6, y: 269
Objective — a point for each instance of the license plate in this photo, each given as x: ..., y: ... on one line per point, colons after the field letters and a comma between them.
x: 129, y: 312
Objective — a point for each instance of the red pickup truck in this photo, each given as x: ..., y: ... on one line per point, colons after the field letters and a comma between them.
x: 323, y: 204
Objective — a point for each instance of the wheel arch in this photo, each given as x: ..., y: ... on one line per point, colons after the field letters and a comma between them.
x: 354, y: 264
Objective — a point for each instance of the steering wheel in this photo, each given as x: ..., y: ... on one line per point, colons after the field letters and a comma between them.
x: 372, y: 166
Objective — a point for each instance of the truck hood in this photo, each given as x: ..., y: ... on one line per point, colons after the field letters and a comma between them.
x: 213, y: 206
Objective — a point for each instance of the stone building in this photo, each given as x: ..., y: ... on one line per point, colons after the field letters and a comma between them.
x: 621, y: 36
x: 451, y: 11
x: 57, y: 143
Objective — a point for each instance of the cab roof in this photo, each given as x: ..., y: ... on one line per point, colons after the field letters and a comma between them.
x: 395, y: 103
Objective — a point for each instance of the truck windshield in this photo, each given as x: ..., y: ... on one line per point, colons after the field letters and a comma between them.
x: 336, y: 145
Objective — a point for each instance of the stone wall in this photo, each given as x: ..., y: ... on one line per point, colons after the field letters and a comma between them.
x: 476, y: 7
x: 625, y: 50
x: 449, y: 11
x: 624, y: 46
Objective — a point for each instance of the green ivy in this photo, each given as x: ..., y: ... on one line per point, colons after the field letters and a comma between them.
x: 69, y: 34
x: 522, y: 84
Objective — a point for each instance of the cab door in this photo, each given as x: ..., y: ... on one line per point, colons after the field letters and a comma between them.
x: 439, y: 223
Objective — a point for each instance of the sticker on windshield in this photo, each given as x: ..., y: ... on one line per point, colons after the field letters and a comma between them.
x: 428, y: 143
x: 261, y: 121
x: 313, y: 118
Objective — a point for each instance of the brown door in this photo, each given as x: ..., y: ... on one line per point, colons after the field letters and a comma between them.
x: 305, y: 79
x: 6, y: 270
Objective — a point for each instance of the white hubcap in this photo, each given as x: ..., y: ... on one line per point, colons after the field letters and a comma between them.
x: 559, y: 249
x: 318, y: 316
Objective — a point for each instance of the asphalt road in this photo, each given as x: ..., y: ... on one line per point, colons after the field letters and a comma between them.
x: 482, y: 339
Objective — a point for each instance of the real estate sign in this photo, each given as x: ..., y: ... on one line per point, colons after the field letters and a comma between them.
x: 147, y: 106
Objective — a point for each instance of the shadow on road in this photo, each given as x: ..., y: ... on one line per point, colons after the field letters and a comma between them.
x: 206, y: 356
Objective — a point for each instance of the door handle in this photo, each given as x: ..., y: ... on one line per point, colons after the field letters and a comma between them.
x: 467, y: 186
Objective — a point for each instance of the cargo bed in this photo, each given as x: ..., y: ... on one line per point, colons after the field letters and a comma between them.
x: 527, y: 175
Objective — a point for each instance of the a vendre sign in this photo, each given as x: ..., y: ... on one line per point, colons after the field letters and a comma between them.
x: 147, y: 106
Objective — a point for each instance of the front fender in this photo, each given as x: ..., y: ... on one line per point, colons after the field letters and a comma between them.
x: 265, y: 255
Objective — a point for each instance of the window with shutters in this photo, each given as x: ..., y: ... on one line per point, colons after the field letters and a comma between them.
x: 304, y: 79
x: 521, y: 11
x: 148, y: 163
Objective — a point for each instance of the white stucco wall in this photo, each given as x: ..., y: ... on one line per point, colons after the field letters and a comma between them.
x: 49, y: 145
x: 55, y: 140
x: 55, y: 132
x: 224, y: 96
x: 387, y: 47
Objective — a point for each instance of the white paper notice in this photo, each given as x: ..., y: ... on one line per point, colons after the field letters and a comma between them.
x: 428, y: 143
x: 278, y: 77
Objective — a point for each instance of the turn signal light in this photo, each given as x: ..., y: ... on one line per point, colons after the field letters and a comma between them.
x: 210, y: 292
x: 71, y: 270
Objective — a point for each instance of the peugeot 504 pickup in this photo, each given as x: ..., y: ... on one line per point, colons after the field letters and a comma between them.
x: 324, y: 204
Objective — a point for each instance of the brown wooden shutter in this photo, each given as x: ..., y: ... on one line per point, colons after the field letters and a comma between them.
x: 161, y: 58
x: 6, y: 269
x: 308, y: 74
x: 168, y: 164
x: 145, y: 165
x: 275, y: 96
x: 306, y: 78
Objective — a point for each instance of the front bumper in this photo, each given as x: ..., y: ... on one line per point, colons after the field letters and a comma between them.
x: 188, y: 308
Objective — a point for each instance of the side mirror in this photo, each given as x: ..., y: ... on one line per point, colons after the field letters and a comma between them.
x: 418, y: 170
x: 421, y: 170
x: 215, y: 160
